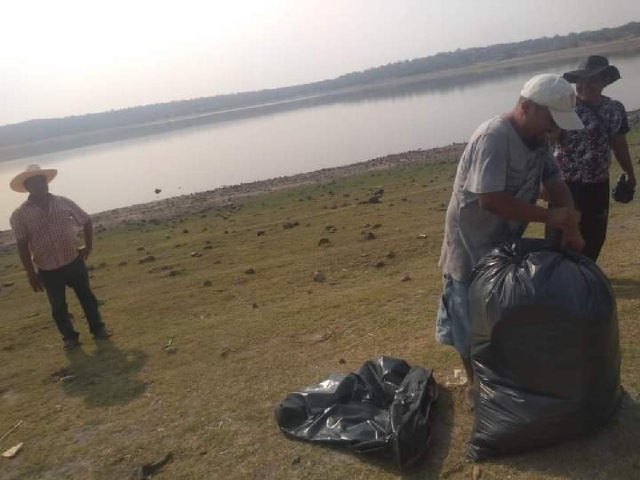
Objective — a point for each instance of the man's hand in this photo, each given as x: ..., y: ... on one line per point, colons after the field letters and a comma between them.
x: 631, y: 180
x: 572, y: 239
x: 35, y: 282
x: 84, y: 252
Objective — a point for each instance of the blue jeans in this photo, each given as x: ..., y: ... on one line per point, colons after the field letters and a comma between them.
x: 74, y: 275
x: 453, y: 323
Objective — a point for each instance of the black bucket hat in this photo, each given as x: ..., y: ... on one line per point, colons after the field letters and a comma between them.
x: 593, y: 65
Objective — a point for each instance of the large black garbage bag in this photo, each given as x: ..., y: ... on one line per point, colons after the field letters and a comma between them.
x: 382, y: 408
x: 544, y: 346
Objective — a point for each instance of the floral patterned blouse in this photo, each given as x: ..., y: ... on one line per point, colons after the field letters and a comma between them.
x: 584, y: 156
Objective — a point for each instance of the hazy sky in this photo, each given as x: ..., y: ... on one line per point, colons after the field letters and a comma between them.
x: 67, y: 57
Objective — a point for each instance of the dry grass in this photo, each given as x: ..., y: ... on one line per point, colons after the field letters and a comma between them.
x: 211, y: 402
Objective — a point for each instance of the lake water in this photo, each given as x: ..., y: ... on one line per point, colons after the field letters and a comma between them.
x: 340, y: 131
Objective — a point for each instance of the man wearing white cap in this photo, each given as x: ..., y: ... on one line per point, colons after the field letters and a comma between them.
x: 495, y: 192
x: 45, y: 229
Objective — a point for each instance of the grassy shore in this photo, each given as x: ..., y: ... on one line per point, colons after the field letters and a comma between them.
x: 203, y: 351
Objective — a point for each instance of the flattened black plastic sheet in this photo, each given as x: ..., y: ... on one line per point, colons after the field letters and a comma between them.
x: 382, y: 408
x: 544, y: 347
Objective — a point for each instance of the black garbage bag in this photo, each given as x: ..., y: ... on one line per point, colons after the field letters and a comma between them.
x: 544, y: 347
x: 623, y: 192
x: 382, y: 408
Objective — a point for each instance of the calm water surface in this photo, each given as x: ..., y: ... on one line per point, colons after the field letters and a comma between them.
x: 340, y: 132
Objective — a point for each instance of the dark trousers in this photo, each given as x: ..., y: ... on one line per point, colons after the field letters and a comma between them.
x: 592, y: 201
x: 73, y: 275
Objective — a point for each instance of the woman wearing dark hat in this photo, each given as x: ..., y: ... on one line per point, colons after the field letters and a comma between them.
x: 584, y: 156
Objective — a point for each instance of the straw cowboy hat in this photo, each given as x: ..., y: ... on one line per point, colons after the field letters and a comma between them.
x: 593, y: 65
x: 17, y: 184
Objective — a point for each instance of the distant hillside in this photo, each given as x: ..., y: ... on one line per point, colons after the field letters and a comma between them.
x: 47, y: 135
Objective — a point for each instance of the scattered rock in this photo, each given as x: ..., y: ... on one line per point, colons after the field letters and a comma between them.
x: 255, y: 305
x: 422, y: 236
x: 250, y: 271
x: 163, y: 268
x: 195, y: 254
x: 328, y: 228
x: 289, y: 225
x: 140, y: 249
x: 318, y: 277
x: 379, y: 192
x: 207, y: 283
x: 147, y: 259
x: 373, y: 200
x: 380, y: 264
x: 122, y: 264
x: 406, y: 278
x: 158, y: 191
x: 226, y: 351
x: 67, y: 379
x: 185, y: 230
x: 376, y: 226
x: 390, y: 255
x: 149, y: 469
x: 321, y: 337
x: 369, y: 236
x: 167, y: 237
x: 296, y: 460
x: 175, y: 273
x: 208, y: 242
x: 342, y: 361
x: 13, y: 451
x: 8, y: 284
x: 208, y: 247
x: 477, y: 472
x: 323, y: 241
x: 170, y: 348
x: 260, y: 233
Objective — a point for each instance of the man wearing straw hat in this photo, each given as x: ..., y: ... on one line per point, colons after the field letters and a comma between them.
x: 45, y: 229
x: 584, y: 156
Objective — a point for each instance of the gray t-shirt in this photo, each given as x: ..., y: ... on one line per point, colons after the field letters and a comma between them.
x: 495, y: 160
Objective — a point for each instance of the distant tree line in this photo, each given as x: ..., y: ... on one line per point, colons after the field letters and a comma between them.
x: 36, y: 130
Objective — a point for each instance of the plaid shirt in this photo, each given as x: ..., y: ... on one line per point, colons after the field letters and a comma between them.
x: 51, y: 235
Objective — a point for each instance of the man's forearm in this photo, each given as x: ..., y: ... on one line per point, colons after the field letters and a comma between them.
x: 88, y: 235
x: 559, y: 195
x: 508, y: 207
x: 25, y: 258
x: 621, y: 150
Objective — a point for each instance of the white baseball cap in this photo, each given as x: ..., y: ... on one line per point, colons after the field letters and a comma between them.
x: 555, y: 93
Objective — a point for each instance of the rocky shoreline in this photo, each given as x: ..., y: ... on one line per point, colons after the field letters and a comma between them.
x: 165, y: 209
